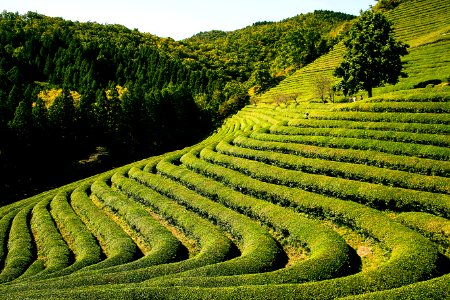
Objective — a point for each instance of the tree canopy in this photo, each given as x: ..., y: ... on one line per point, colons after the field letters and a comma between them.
x: 68, y: 88
x: 373, y: 55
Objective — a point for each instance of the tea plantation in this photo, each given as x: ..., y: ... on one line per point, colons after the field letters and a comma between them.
x: 285, y: 201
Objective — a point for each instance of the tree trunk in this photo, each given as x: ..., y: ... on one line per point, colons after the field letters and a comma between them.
x: 369, y: 91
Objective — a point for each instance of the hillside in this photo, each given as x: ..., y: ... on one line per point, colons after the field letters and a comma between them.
x: 274, y: 49
x: 283, y: 201
x: 69, y: 88
x: 353, y: 200
x: 421, y: 24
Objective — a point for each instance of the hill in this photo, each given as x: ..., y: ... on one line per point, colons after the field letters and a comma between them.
x: 264, y: 53
x: 284, y: 201
x: 353, y: 200
x: 421, y: 24
x: 130, y: 93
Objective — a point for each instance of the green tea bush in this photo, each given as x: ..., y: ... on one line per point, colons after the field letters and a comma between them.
x: 5, y: 224
x: 266, y: 142
x: 425, y: 118
x: 434, y: 227
x: 390, y: 126
x: 21, y: 250
x: 51, y: 248
x: 368, y: 134
x: 164, y: 246
x: 351, y: 171
x: 118, y: 246
x: 399, y: 107
x: 396, y: 148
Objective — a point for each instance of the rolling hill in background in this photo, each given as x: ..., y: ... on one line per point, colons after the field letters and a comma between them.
x: 422, y: 25
x: 286, y: 200
x: 68, y: 89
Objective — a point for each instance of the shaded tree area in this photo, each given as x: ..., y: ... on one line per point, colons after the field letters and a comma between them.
x: 68, y: 88
x: 78, y: 98
x: 261, y: 55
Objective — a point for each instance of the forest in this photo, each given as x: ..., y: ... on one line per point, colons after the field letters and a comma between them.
x: 78, y: 98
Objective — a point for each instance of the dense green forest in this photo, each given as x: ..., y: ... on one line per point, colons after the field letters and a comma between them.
x: 76, y: 98
x: 264, y: 53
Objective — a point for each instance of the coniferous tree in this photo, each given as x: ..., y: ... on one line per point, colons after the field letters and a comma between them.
x: 100, y: 113
x: 61, y: 114
x: 114, y: 114
x: 39, y: 117
x: 14, y: 97
x: 22, y: 122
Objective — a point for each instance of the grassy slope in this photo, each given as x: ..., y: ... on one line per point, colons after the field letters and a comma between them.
x: 424, y: 25
x: 354, y: 200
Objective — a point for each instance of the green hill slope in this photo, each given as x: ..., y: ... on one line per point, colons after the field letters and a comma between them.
x: 353, y: 200
x: 298, y: 201
x: 421, y: 24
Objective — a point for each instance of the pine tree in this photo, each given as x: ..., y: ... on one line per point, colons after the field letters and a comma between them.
x: 39, y: 116
x: 14, y: 97
x: 22, y: 122
x: 61, y: 114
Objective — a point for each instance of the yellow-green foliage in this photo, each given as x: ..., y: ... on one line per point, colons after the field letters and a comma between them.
x: 49, y: 96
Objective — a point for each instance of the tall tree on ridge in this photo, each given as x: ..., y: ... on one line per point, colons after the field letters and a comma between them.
x: 373, y: 56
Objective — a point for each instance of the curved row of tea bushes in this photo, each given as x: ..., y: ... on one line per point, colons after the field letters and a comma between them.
x: 264, y: 142
x: 263, y: 118
x: 163, y: 246
x: 403, y: 127
x: 432, y: 289
x: 413, y: 257
x: 425, y: 118
x: 341, y: 169
x: 329, y: 255
x: 215, y: 247
x: 397, y: 148
x: 419, y: 95
x: 259, y: 252
x: 375, y: 195
x: 52, y: 251
x: 437, y: 229
x: 5, y: 224
x: 116, y: 244
x: 393, y: 136
x: 259, y: 119
x: 279, y: 114
x: 437, y: 288
x: 410, y: 107
x: 21, y: 247
x: 75, y: 233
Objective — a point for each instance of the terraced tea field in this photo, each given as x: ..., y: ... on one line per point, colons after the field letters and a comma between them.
x: 353, y: 201
x: 422, y: 24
